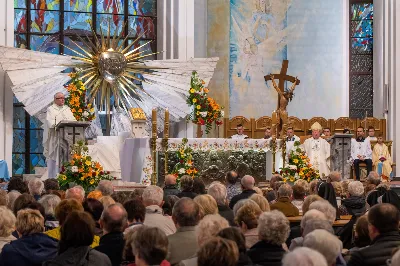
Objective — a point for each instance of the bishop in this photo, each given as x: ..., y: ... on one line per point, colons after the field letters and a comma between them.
x: 56, y: 113
x: 318, y: 150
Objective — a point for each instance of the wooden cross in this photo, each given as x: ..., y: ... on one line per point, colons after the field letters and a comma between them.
x: 282, y: 77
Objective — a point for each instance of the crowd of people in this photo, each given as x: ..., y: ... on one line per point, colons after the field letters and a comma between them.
x: 227, y: 224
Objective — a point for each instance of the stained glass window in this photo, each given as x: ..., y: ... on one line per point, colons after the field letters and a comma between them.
x: 361, y: 58
x: 41, y: 25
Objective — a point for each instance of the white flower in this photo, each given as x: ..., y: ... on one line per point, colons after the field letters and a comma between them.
x: 74, y: 169
x: 292, y: 167
x: 85, y: 114
x: 203, y: 114
x: 182, y: 171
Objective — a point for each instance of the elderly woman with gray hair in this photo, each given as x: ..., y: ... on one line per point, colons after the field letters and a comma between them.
x: 36, y: 187
x: 273, y: 230
x: 7, y: 226
x: 355, y: 203
x: 49, y: 203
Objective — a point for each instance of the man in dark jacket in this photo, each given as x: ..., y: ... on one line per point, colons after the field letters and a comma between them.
x: 384, y: 233
x: 355, y: 202
x: 247, y: 183
x: 113, y: 221
x: 218, y: 191
x: 284, y: 203
x: 170, y: 187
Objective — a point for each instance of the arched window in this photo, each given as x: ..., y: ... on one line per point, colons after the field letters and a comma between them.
x: 41, y: 25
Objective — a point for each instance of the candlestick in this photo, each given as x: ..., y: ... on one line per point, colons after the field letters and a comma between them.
x: 166, y: 124
x: 154, y: 123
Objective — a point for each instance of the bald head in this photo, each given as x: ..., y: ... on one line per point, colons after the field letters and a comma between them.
x: 114, y: 219
x: 170, y: 180
x: 247, y: 182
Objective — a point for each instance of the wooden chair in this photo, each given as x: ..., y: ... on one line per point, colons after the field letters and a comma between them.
x: 231, y: 125
x: 259, y: 126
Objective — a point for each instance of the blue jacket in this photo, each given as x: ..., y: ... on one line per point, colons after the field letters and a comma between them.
x: 29, y: 250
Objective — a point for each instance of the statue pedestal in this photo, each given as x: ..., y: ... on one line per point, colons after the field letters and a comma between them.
x: 341, y: 153
x: 69, y: 133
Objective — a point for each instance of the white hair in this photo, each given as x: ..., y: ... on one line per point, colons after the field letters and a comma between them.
x: 49, y: 203
x: 325, y: 207
x: 285, y: 191
x: 106, y: 187
x: 312, y: 225
x: 242, y: 203
x: 153, y: 195
x: 218, y: 191
x: 36, y: 186
x: 312, y: 215
x: 303, y: 256
x: 7, y: 222
x: 325, y: 243
x: 356, y: 188
x: 210, y: 226
x: 247, y: 182
x: 12, y: 196
x: 75, y: 191
x: 273, y: 227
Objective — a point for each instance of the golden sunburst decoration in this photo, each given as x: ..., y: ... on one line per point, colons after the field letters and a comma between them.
x: 111, y: 69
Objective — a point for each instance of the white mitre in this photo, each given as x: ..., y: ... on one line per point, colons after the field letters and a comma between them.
x: 316, y: 126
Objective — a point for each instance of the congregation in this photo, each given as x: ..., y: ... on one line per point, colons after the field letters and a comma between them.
x: 230, y: 224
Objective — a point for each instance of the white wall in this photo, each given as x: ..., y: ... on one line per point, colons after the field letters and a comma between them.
x: 6, y: 96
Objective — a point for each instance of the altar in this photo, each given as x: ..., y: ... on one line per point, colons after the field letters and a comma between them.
x: 213, y: 157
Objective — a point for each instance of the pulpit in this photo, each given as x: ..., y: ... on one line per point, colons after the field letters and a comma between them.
x: 69, y: 133
x: 341, y: 153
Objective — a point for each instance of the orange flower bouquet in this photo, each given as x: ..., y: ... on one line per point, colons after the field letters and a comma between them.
x: 81, y: 170
x: 205, y: 110
x: 185, y: 162
x: 77, y: 99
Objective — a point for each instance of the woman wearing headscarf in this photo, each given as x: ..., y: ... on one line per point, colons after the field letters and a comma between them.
x: 327, y: 191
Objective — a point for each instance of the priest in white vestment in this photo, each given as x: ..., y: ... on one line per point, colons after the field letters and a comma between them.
x: 361, y: 152
x: 318, y: 150
x: 240, y: 135
x: 291, y: 138
x: 56, y: 113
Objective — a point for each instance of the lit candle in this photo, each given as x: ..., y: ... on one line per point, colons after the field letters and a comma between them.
x: 274, y: 118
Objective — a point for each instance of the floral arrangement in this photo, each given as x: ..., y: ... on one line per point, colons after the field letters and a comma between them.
x: 299, y: 166
x: 77, y: 100
x: 185, y: 164
x: 206, y: 110
x: 81, y: 170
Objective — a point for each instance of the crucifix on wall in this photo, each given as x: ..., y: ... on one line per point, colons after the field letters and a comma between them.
x: 280, y: 116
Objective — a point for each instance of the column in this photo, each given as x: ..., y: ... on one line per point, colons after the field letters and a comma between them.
x: 378, y: 58
x: 6, y: 95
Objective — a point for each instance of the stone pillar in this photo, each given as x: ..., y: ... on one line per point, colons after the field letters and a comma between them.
x: 6, y: 95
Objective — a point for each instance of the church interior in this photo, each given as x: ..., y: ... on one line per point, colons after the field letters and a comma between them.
x: 171, y: 104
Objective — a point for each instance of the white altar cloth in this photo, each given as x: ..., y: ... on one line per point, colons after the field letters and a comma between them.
x: 136, y: 161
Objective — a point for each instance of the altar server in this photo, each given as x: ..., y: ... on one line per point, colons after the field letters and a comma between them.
x: 382, y: 161
x: 361, y: 152
x: 318, y: 150
x: 55, y: 113
x: 291, y: 138
x: 240, y: 135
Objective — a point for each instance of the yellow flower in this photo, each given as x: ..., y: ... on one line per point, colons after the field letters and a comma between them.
x: 291, y: 179
x: 91, y: 181
x: 92, y: 110
x: 82, y: 178
x: 194, y: 100
x: 296, y: 161
x: 64, y: 178
x: 284, y: 180
x: 89, y: 105
x: 198, y: 107
x: 198, y: 113
x: 192, y: 90
x: 88, y: 163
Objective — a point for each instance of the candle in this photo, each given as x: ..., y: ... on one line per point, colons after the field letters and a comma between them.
x: 154, y: 123
x: 166, y: 124
x: 274, y: 118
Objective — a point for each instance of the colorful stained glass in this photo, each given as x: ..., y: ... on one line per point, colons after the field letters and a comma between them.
x: 36, y: 139
x: 35, y: 123
x: 18, y: 164
x: 78, y: 5
x: 139, y: 25
x: 142, y: 7
x: 362, y: 11
x: 77, y: 21
x: 37, y: 160
x: 19, y: 3
x: 20, y: 41
x: 45, y: 43
x: 18, y: 140
x: 362, y: 45
x: 45, y: 4
x: 362, y: 28
x: 20, y: 20
x: 19, y: 117
x: 73, y: 46
x: 103, y: 20
x: 110, y: 6
x: 45, y: 21
x: 146, y: 49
